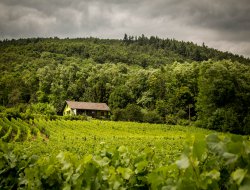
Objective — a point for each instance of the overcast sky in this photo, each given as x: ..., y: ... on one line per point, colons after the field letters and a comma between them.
x: 222, y: 24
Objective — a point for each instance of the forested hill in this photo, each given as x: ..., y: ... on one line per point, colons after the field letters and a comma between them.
x: 142, y: 79
x: 142, y: 51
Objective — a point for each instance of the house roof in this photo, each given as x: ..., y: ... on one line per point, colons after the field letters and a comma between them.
x: 88, y: 106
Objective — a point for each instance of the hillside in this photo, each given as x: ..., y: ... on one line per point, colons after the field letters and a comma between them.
x: 131, y: 50
x: 142, y: 79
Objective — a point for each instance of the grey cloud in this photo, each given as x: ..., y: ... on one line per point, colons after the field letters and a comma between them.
x: 223, y: 16
x: 223, y: 24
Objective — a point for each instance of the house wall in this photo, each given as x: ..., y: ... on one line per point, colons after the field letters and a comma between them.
x: 94, y: 113
x: 68, y: 111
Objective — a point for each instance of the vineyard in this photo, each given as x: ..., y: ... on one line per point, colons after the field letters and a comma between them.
x: 63, y: 154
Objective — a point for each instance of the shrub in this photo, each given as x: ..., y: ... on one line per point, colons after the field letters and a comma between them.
x: 171, y: 119
x: 152, y: 117
x: 133, y: 113
x: 73, y: 117
x: 246, y: 126
x: 224, y: 120
x: 11, y: 113
x: 183, y: 122
x: 118, y: 115
x: 41, y: 108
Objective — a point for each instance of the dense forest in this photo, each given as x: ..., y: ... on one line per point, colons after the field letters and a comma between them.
x: 142, y: 79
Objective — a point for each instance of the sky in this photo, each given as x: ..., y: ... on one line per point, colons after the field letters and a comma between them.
x: 221, y: 24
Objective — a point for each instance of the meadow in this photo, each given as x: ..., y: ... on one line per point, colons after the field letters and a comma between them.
x: 81, y: 137
x: 95, y: 154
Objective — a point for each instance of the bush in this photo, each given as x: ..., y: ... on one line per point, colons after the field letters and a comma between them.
x: 224, y: 120
x: 152, y: 117
x: 2, y: 108
x: 161, y: 107
x: 183, y: 122
x: 73, y: 117
x: 171, y: 119
x: 41, y: 108
x: 133, y: 113
x: 246, y: 127
x: 27, y: 112
x: 27, y: 116
x: 181, y: 114
x: 11, y: 113
x: 118, y: 115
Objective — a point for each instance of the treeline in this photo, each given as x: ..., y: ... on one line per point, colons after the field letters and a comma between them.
x: 141, y: 79
x: 133, y: 50
x: 185, y: 50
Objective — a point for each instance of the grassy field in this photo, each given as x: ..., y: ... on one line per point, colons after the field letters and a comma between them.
x: 96, y: 154
x: 87, y: 137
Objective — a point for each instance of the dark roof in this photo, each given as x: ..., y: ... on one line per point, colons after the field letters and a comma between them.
x: 88, y: 106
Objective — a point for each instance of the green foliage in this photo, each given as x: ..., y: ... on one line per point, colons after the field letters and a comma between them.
x: 16, y: 130
x: 118, y: 115
x: 171, y: 119
x: 11, y: 113
x: 120, y: 97
x: 41, y: 108
x: 161, y: 107
x: 180, y: 80
x: 133, y: 113
x: 31, y: 111
x: 206, y: 162
x: 39, y: 164
x: 152, y: 117
x: 214, y: 163
x: 223, y: 102
x: 246, y: 125
x: 224, y: 120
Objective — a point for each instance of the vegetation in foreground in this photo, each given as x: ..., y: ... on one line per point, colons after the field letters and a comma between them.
x: 61, y: 154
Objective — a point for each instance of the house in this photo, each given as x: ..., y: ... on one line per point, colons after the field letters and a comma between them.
x: 86, y: 108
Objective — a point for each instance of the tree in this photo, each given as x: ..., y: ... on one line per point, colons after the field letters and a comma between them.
x: 125, y: 39
x: 120, y: 97
x: 134, y: 113
x: 222, y: 102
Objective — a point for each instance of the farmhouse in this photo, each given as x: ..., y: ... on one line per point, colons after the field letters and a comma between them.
x: 86, y: 108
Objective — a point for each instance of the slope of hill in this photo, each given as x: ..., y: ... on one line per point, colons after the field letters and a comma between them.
x: 131, y: 50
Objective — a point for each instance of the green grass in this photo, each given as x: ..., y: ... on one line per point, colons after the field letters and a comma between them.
x: 120, y: 155
x: 87, y: 137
